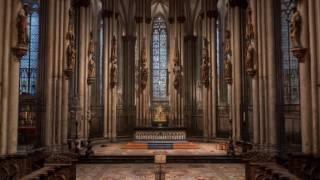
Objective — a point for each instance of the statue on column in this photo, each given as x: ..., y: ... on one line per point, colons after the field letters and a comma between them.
x: 143, y: 69
x: 227, y: 57
x: 22, y: 26
x: 250, y: 52
x: 295, y: 28
x: 91, y: 63
x: 205, y: 66
x: 177, y: 69
x: 113, y: 63
x: 71, y: 50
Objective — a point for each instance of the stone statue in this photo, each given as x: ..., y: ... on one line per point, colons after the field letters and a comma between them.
x: 71, y: 56
x: 91, y: 63
x: 177, y: 69
x: 113, y: 63
x: 250, y: 57
x: 143, y: 68
x: 22, y: 26
x: 70, y: 34
x: 295, y: 28
x: 205, y: 67
x: 228, y: 71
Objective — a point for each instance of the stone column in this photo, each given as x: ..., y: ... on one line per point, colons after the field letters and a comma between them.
x: 7, y: 9
x: 13, y: 99
x: 82, y: 49
x: 314, y: 73
x: 236, y: 61
x: 190, y: 81
x: 305, y: 83
x: 272, y: 104
x: 128, y: 82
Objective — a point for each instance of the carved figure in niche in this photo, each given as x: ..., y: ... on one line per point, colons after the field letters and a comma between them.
x: 295, y: 28
x: 177, y: 69
x: 113, y: 63
x: 228, y: 71
x: 91, y: 63
x: 71, y: 56
x: 143, y: 69
x: 250, y: 56
x: 249, y: 27
x: 227, y: 45
x: 22, y: 26
x: 205, y: 67
x: 70, y: 34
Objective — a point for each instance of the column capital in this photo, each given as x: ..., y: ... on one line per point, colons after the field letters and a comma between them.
x: 81, y: 3
x: 238, y: 3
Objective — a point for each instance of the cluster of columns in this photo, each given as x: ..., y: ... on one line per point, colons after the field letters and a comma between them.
x: 53, y: 84
x: 9, y: 76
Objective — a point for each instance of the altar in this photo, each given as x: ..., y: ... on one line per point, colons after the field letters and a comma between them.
x: 160, y: 134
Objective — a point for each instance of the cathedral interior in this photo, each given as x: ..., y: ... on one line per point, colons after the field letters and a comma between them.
x: 160, y: 89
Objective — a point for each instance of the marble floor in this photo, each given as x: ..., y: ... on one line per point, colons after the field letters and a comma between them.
x: 115, y: 149
x: 173, y: 171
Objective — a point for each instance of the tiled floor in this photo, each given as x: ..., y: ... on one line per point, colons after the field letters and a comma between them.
x: 173, y: 172
x: 116, y: 150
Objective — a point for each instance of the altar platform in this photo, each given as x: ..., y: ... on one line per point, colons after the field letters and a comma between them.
x: 117, y: 153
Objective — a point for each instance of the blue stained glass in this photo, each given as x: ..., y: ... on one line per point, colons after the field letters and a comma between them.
x: 159, y: 61
x: 29, y: 63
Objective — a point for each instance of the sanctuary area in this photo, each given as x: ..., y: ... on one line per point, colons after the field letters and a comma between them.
x: 160, y: 89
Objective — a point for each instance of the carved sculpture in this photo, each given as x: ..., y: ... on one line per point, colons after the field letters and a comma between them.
x: 71, y: 50
x: 205, y: 66
x: 91, y: 63
x: 23, y: 35
x: 295, y: 28
x: 143, y: 68
x: 227, y: 59
x: 113, y: 63
x: 22, y: 26
x: 250, y: 62
x: 177, y: 69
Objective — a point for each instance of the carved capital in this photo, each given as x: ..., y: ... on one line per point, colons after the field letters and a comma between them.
x: 299, y: 53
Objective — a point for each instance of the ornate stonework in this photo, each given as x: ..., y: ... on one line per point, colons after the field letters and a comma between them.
x: 23, y: 35
x: 227, y: 58
x: 205, y: 66
x: 113, y: 63
x: 250, y: 59
x: 177, y: 69
x: 143, y: 68
x: 295, y: 28
x: 91, y: 63
x: 71, y: 50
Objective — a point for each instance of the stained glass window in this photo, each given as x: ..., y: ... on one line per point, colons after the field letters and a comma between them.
x: 29, y: 63
x: 159, y: 60
x: 290, y: 64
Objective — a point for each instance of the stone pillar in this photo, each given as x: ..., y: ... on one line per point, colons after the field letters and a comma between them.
x: 236, y: 61
x: 128, y: 82
x: 13, y: 99
x: 313, y: 8
x: 5, y: 58
x: 272, y: 103
x: 305, y: 83
x: 190, y: 81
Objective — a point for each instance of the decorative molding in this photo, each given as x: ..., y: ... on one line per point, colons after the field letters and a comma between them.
x: 295, y: 28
